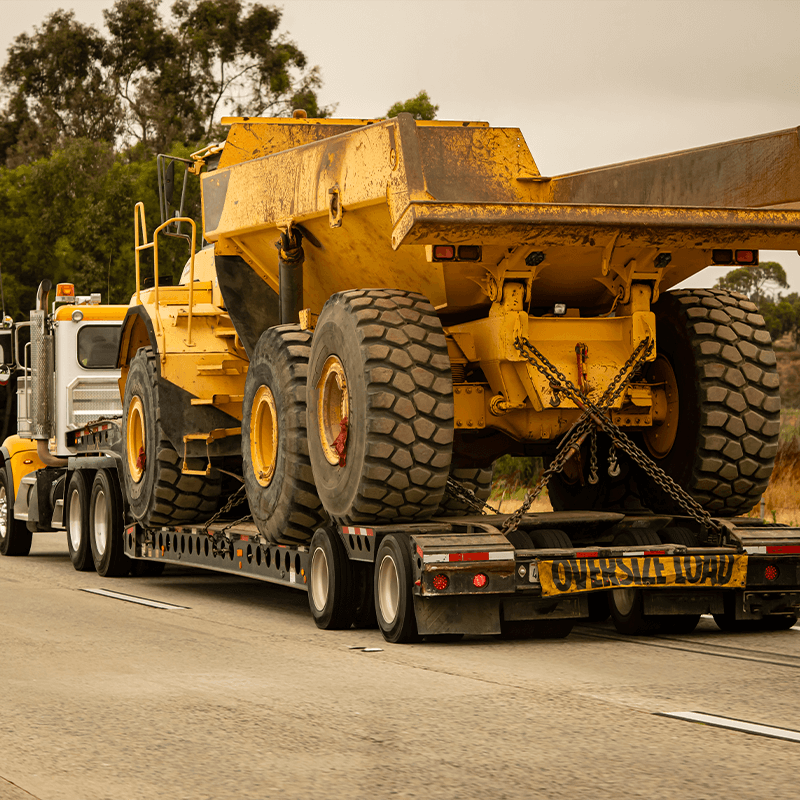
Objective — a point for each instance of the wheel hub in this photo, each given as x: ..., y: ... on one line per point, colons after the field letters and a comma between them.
x: 3, y: 512
x: 135, y: 438
x: 661, y: 437
x: 75, y: 520
x: 624, y: 600
x: 388, y: 589
x: 101, y: 522
x: 264, y: 435
x: 319, y: 579
x: 333, y: 407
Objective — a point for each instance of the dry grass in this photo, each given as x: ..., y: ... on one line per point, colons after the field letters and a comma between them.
x: 782, y: 498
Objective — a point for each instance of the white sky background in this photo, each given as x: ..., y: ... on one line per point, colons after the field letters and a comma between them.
x: 589, y: 82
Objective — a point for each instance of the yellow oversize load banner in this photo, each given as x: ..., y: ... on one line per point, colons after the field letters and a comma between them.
x: 570, y: 575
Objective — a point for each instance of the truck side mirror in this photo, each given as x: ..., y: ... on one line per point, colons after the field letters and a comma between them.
x: 7, y: 348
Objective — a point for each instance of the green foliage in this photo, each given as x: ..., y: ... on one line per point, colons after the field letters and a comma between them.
x: 150, y: 80
x: 69, y: 217
x: 420, y: 107
x: 511, y: 474
x: 755, y: 282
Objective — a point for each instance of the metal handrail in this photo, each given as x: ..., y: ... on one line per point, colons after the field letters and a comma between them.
x: 138, y: 213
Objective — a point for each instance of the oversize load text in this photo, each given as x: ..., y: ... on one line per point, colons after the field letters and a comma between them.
x: 568, y: 575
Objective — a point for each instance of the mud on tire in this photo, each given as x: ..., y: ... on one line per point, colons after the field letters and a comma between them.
x: 729, y: 406
x: 158, y: 492
x: 390, y: 348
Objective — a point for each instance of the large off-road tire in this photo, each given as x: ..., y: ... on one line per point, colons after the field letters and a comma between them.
x: 720, y: 436
x: 76, y: 514
x: 158, y: 492
x: 106, y: 526
x: 728, y: 416
x: 379, y: 359
x: 15, y: 538
x: 277, y: 471
x: 477, y: 480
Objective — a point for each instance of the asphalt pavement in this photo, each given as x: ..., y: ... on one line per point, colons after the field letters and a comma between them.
x: 234, y: 693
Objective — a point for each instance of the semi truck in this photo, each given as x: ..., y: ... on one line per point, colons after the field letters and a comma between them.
x: 381, y: 308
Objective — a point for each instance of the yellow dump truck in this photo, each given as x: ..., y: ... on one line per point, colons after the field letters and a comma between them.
x: 375, y: 310
x: 382, y: 304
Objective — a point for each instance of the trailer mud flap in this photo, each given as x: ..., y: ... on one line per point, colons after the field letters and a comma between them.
x: 570, y: 575
x: 457, y: 614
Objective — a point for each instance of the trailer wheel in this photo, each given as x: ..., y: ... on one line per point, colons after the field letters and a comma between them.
x: 478, y: 480
x: 330, y: 582
x: 277, y: 471
x: 15, y: 538
x: 380, y: 407
x: 394, y: 602
x: 779, y: 622
x: 77, y: 516
x: 106, y: 527
x: 158, y: 492
x: 720, y: 436
x: 627, y: 605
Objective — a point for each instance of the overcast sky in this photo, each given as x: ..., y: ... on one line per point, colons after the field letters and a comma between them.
x: 589, y: 82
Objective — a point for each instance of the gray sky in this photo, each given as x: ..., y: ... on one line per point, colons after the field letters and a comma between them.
x: 589, y: 82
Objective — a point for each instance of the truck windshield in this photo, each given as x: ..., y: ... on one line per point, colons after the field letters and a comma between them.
x: 97, y: 346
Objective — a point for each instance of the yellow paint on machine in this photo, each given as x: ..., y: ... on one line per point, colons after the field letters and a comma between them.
x: 571, y: 575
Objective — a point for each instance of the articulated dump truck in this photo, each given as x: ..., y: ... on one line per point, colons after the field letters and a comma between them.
x: 381, y: 308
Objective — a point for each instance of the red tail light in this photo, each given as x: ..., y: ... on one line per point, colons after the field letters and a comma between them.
x: 440, y: 582
x: 480, y: 580
x: 771, y: 572
x: 747, y: 256
x: 444, y: 252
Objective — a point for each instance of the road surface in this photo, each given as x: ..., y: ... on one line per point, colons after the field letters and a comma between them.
x: 236, y: 694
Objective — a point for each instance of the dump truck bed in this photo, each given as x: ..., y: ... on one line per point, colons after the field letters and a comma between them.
x: 373, y: 197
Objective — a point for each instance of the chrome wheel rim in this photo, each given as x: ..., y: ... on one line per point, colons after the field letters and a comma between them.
x: 320, y: 577
x: 3, y: 512
x: 75, y: 520
x: 388, y: 589
x: 101, y: 522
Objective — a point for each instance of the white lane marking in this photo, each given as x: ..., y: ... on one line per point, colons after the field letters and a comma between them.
x: 735, y: 725
x: 142, y: 601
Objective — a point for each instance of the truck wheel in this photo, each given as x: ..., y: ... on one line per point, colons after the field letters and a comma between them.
x: 627, y: 605
x: 720, y: 436
x: 330, y: 582
x: 105, y: 527
x: 158, y: 492
x: 550, y: 539
x: 478, y: 480
x: 277, y: 471
x: 380, y: 407
x: 77, y: 516
x: 394, y: 603
x: 15, y: 538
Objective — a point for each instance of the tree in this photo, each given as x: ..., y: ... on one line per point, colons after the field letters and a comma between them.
x: 755, y: 281
x: 151, y: 80
x: 420, y: 107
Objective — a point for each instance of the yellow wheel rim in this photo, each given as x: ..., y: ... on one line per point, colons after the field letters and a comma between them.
x: 333, y: 406
x: 135, y: 437
x: 264, y: 435
x: 661, y: 437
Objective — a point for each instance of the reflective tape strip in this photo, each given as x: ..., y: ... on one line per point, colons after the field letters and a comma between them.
x: 774, y: 549
x: 358, y: 531
x: 444, y: 558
